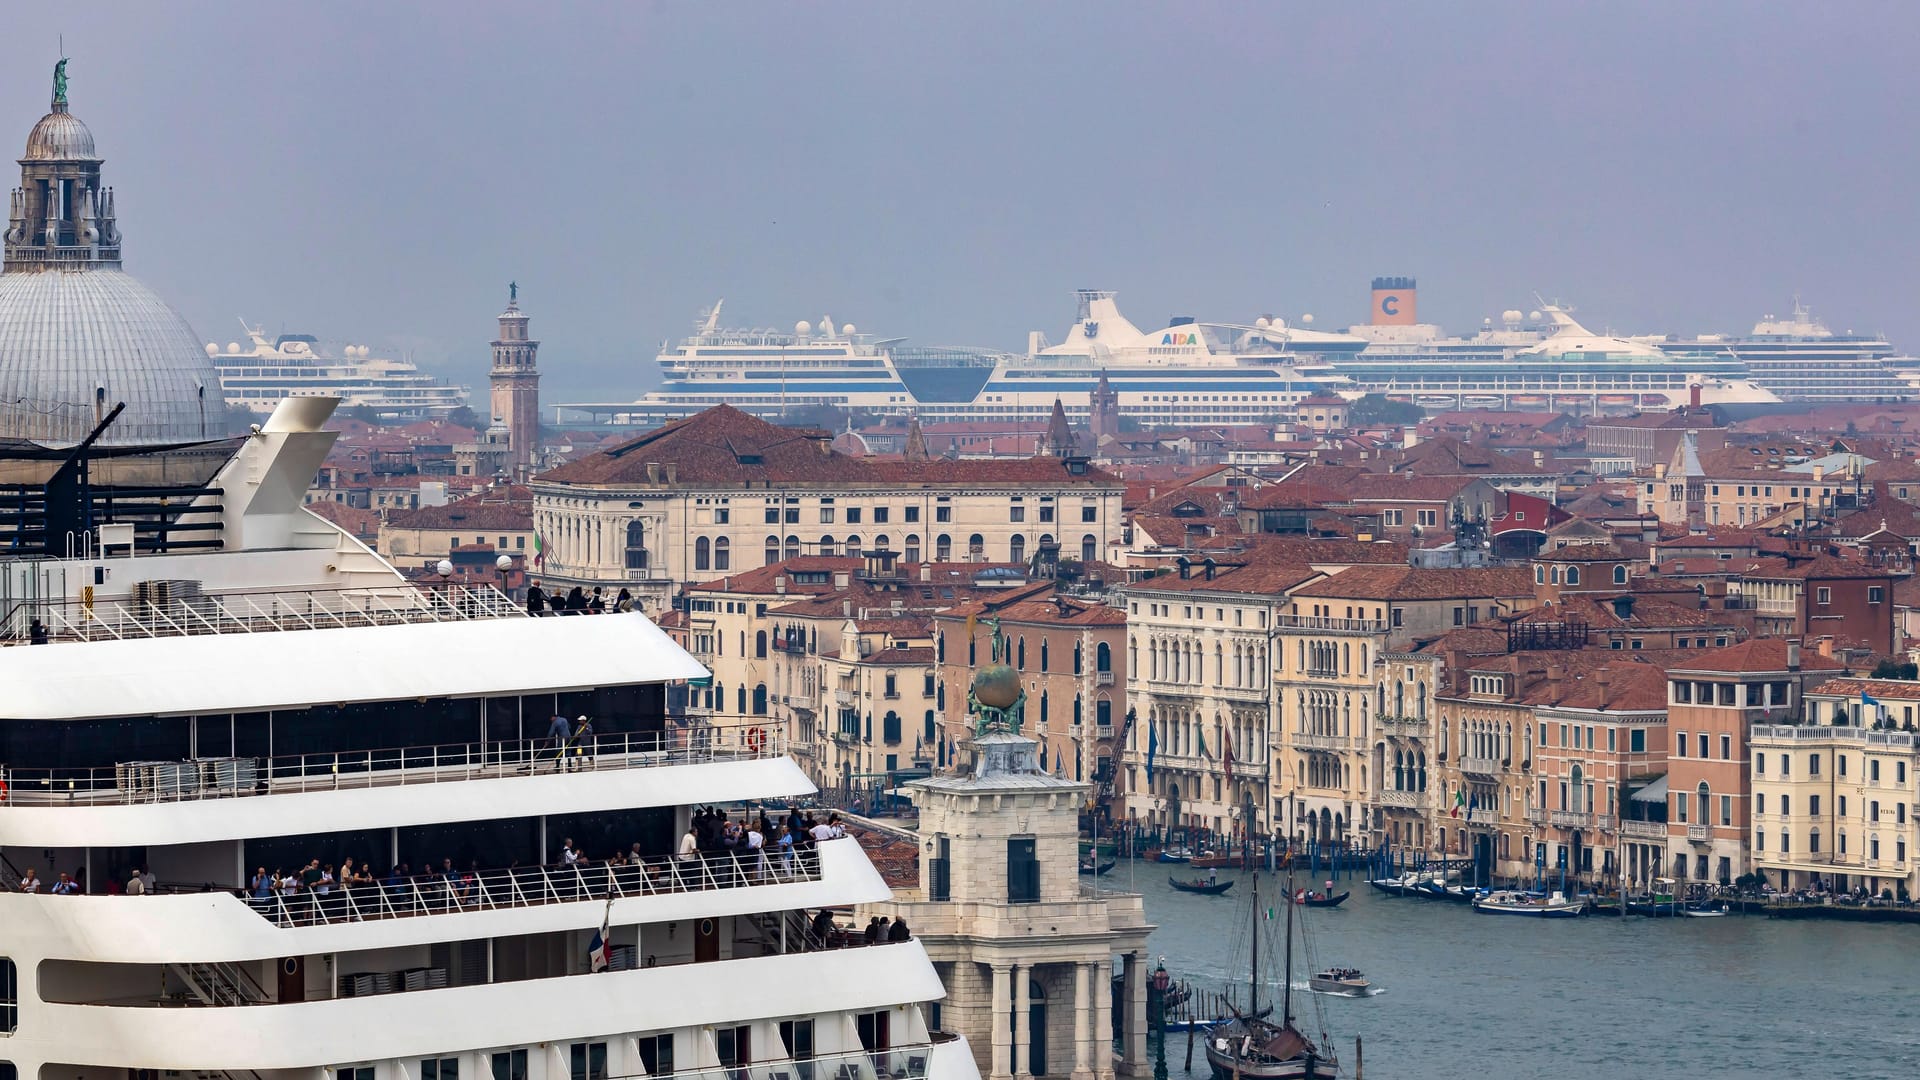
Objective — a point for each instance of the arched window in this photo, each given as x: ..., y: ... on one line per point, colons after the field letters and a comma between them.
x: 1044, y: 652
x: 1539, y: 574
x: 1043, y: 708
x: 760, y: 644
x: 912, y: 554
x: 793, y: 547
x: 1573, y: 575
x: 1701, y: 797
x: 702, y: 554
x: 1022, y: 662
x: 1076, y: 658
x: 760, y: 699
x: 976, y: 548
x: 1103, y: 657
x: 1619, y: 575
x: 722, y: 554
x: 773, y: 550
x: 879, y: 544
x: 636, y: 546
x: 1089, y: 548
x: 1017, y: 549
x: 853, y: 544
x: 940, y: 647
x: 943, y: 548
x: 827, y: 547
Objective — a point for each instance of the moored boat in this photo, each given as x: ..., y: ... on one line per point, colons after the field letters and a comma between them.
x: 1554, y: 906
x: 1093, y: 870
x: 1253, y: 1049
x: 1323, y: 900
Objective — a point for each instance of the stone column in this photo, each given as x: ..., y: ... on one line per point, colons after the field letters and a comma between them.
x: 1022, y: 1019
x: 1103, y: 1019
x: 1082, y: 1021
x: 1002, y: 1024
x: 1137, y: 1013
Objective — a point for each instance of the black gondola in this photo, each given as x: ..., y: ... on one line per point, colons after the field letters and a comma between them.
x: 1095, y: 871
x: 1325, y: 901
x: 1200, y: 887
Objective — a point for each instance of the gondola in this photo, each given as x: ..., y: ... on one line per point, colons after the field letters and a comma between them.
x: 1200, y: 887
x: 1095, y: 871
x: 1325, y: 901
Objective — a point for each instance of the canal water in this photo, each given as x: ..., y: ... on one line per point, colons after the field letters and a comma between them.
x: 1491, y: 997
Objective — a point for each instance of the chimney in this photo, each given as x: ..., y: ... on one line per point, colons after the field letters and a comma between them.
x: 1826, y: 646
x: 1604, y: 681
x: 846, y: 609
x: 1556, y: 676
x: 672, y: 471
x: 1659, y: 471
x: 926, y: 572
x: 653, y: 472
x: 1819, y: 473
x: 1793, y: 656
x: 1693, y: 397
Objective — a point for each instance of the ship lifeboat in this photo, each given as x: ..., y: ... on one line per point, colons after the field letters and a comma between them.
x: 1482, y: 401
x: 1529, y: 401
x: 1616, y: 399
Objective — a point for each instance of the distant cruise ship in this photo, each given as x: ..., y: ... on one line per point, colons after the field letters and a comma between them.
x: 299, y: 365
x: 1800, y: 359
x: 1188, y: 372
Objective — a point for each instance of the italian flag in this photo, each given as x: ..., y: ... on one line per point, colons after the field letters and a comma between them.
x: 539, y: 551
x: 1459, y: 801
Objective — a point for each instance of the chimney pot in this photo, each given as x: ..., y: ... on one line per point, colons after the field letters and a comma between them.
x: 1793, y: 656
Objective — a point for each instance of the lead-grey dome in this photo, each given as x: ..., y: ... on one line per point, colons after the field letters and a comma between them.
x: 63, y: 333
x: 60, y: 136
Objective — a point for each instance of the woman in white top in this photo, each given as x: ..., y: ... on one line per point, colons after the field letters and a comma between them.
x: 30, y: 881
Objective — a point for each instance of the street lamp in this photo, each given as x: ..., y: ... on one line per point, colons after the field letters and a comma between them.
x: 502, y: 564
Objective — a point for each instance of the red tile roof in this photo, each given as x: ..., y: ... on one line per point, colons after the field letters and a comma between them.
x: 1754, y: 656
x: 1417, y: 583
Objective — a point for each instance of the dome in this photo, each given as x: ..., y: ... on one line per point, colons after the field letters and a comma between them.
x: 60, y: 136
x: 63, y: 333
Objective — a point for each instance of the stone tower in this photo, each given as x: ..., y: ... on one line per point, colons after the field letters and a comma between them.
x: 516, y: 386
x: 1103, y: 412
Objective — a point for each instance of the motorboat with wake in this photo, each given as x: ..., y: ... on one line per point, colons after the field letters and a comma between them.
x: 1348, y: 981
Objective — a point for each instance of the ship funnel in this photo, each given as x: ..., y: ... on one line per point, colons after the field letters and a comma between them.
x: 1394, y: 302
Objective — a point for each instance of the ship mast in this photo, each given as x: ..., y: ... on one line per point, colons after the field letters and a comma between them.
x: 1253, y: 973
x: 1286, y: 986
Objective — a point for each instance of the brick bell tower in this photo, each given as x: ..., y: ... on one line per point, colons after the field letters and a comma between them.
x: 516, y: 387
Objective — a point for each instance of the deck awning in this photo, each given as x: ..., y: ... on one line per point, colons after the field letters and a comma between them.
x: 1655, y: 792
x: 209, y: 674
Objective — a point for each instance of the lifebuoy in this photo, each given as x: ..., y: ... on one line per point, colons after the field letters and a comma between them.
x: 3, y: 791
x: 756, y: 739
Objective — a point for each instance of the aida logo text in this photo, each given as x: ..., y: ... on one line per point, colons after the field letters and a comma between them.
x: 1179, y: 339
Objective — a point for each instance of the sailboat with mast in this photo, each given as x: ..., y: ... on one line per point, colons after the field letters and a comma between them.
x: 1251, y: 1048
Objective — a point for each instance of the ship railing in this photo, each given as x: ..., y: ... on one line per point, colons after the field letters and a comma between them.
x: 144, y: 782
x: 448, y: 892
x: 177, y: 609
x: 908, y: 1062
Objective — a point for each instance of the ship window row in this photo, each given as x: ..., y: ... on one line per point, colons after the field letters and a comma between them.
x: 455, y: 726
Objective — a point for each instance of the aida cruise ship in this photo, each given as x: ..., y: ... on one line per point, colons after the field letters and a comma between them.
x: 216, y: 683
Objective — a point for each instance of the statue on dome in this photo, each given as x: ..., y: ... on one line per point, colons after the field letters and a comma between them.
x: 996, y: 698
x: 60, y: 82
x: 513, y: 292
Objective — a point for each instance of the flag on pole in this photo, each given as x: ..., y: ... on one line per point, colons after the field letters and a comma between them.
x: 1226, y: 753
x: 600, y: 950
x: 1153, y: 747
x: 1200, y: 735
x: 1459, y: 802
x: 1473, y: 803
x: 1867, y: 699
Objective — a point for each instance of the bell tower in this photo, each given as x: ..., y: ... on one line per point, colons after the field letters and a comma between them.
x: 515, y: 384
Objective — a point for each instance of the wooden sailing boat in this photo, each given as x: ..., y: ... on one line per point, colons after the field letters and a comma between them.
x: 1249, y: 1048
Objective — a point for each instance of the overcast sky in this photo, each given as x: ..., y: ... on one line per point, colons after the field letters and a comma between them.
x: 950, y: 173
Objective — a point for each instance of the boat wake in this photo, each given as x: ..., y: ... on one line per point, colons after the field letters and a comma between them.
x: 1371, y: 991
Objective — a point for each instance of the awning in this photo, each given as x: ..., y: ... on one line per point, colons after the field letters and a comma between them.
x: 1655, y: 792
x: 291, y: 669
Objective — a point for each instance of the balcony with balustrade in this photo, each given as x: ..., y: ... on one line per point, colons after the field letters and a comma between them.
x: 1699, y: 834
x: 1411, y: 727
x: 1644, y: 830
x: 1482, y: 766
x: 147, y: 782
x: 1400, y: 800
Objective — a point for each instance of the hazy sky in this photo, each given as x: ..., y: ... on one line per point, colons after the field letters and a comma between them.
x: 951, y: 172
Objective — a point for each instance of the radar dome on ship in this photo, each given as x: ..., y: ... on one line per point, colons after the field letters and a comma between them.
x: 846, y: 329
x: 1533, y: 316
x: 1511, y: 315
x: 1307, y: 319
x: 803, y: 327
x: 233, y: 348
x: 1263, y: 322
x: 213, y: 349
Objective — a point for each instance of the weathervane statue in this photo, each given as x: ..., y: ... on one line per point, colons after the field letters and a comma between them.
x: 996, y: 698
x: 60, y: 82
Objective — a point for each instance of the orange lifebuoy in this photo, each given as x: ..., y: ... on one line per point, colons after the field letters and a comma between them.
x: 3, y: 791
x: 756, y: 739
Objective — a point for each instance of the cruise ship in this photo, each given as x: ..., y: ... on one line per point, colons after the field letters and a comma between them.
x: 259, y: 375
x: 208, y: 685
x: 1801, y: 360
x: 1187, y: 372
x: 1538, y: 361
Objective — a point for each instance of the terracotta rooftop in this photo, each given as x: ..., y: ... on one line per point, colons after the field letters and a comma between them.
x: 1409, y: 583
x: 1255, y: 579
x: 1880, y: 689
x: 1756, y: 655
x: 723, y: 446
x: 509, y: 508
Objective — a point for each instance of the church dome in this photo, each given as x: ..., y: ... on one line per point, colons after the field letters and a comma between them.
x: 65, y: 333
x: 60, y: 136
